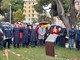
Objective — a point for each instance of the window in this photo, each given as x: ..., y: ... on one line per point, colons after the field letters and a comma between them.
x: 24, y: 2
x: 33, y: 2
x: 33, y: 11
x: 29, y: 11
x: 29, y: 15
x: 32, y: 15
x: 29, y: 3
x: 29, y: 7
x: 25, y: 6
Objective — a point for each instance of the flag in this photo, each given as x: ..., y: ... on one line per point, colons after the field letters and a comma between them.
x: 1, y: 30
x: 6, y: 54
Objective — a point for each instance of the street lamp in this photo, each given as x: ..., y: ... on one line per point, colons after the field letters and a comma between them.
x: 10, y: 12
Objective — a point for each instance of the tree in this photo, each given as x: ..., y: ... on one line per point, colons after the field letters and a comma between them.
x: 61, y: 13
x: 62, y: 7
x: 18, y: 16
x: 43, y: 18
x: 16, y: 4
x: 4, y: 7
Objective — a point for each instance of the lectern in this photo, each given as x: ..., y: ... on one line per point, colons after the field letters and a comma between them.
x: 49, y: 45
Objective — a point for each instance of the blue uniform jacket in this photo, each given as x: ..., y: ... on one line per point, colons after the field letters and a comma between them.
x: 25, y: 35
x: 77, y: 35
x: 16, y: 35
x: 72, y: 33
x: 8, y: 32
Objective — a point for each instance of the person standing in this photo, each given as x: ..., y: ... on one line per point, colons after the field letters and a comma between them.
x: 16, y: 36
x: 41, y: 32
x: 8, y: 35
x: 25, y: 37
x: 29, y: 33
x: 54, y: 30
x: 48, y: 31
x: 63, y: 34
x: 72, y: 33
x: 78, y: 39
x: 33, y: 37
x: 37, y: 27
x: 59, y: 36
x: 1, y: 38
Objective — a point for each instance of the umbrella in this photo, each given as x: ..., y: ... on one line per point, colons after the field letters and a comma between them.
x: 43, y: 23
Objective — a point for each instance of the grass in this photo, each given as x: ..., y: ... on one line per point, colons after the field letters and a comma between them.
x: 38, y: 53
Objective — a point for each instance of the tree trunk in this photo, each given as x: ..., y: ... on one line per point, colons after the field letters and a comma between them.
x: 72, y: 13
x: 53, y: 11
x: 62, y: 14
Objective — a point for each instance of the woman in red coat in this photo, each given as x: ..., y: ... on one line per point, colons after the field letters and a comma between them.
x: 54, y: 30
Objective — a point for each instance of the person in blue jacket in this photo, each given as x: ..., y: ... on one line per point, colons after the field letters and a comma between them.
x: 1, y: 38
x: 72, y: 33
x: 78, y: 39
x: 25, y: 36
x: 16, y: 36
x: 8, y: 35
x: 29, y: 33
x: 33, y: 37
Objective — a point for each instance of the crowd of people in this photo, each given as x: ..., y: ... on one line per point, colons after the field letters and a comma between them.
x: 36, y: 36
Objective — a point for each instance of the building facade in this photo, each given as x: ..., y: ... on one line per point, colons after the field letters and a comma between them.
x: 29, y: 11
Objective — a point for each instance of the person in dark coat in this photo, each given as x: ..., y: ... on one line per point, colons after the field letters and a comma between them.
x: 33, y: 37
x: 72, y: 33
x: 78, y: 39
x: 29, y: 33
x: 48, y: 31
x: 58, y: 38
x: 16, y: 36
x: 1, y: 39
x: 37, y: 27
x: 25, y: 37
x: 8, y: 35
x: 63, y: 34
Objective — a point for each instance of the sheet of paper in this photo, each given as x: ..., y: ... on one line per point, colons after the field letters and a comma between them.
x: 51, y: 38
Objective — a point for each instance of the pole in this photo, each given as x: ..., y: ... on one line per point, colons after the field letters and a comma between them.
x: 10, y: 13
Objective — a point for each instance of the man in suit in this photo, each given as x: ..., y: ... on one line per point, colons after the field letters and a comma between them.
x: 78, y: 39
x: 41, y: 32
x: 33, y: 36
x: 8, y: 35
x: 72, y: 33
x: 25, y: 36
x: 16, y: 36
x: 63, y: 34
x: 29, y: 33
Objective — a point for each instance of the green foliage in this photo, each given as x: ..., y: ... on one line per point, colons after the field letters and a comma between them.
x: 18, y: 16
x: 66, y: 5
x: 4, y: 4
x: 38, y: 8
x: 43, y: 18
x: 16, y: 4
x: 42, y: 3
